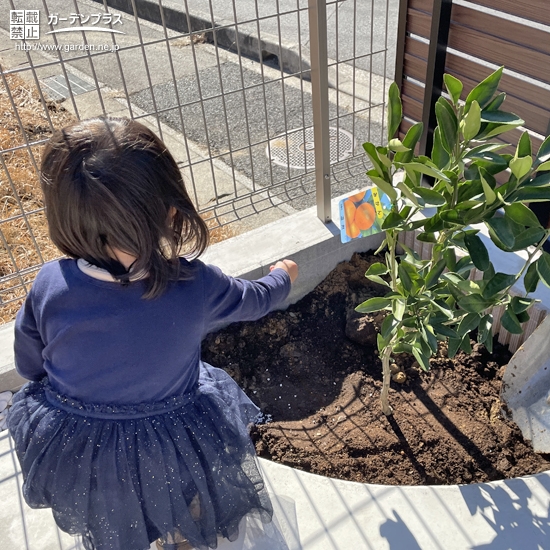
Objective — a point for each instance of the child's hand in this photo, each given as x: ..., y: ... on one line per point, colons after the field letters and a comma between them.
x: 289, y: 266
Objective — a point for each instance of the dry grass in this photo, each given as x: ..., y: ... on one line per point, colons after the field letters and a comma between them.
x: 25, y: 243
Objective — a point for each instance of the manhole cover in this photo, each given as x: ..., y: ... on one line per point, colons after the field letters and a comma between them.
x: 57, y: 89
x: 297, y: 150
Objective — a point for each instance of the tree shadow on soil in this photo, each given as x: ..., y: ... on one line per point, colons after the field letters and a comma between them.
x: 462, y: 439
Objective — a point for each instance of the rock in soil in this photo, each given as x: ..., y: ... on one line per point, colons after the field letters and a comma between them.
x: 320, y: 381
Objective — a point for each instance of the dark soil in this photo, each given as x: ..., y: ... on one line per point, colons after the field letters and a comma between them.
x: 322, y: 391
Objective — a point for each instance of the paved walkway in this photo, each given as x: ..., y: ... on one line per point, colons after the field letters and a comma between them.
x: 318, y: 513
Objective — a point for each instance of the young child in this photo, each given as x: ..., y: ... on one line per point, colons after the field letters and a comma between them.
x: 123, y: 431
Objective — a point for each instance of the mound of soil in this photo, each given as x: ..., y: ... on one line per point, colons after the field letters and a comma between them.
x: 314, y: 370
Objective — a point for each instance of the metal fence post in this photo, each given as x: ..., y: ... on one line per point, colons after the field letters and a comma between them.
x: 319, y: 92
x: 401, y: 37
x: 439, y: 36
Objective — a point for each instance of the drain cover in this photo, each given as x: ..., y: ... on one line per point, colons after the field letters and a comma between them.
x: 57, y: 89
x: 296, y: 149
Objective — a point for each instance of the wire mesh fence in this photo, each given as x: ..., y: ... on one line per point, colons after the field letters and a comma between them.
x: 226, y: 85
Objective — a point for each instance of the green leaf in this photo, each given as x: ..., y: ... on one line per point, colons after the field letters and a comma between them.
x: 489, y: 273
x: 448, y: 125
x: 372, y: 153
x: 490, y: 195
x: 430, y: 197
x: 392, y: 220
x: 398, y: 308
x: 429, y: 337
x: 519, y: 213
x: 405, y: 189
x: 472, y: 122
x: 383, y: 185
x: 452, y: 216
x: 524, y: 146
x: 498, y: 283
x: 523, y: 317
x: 443, y: 308
x: 519, y: 304
x: 454, y: 87
x: 485, y: 90
x: 495, y: 103
x: 378, y: 280
x: 485, y: 328
x: 395, y: 110
x: 454, y: 344
x: 423, y: 360
x: 440, y: 157
x: 489, y: 344
x: 510, y: 322
x: 543, y: 268
x: 411, y: 226
x: 501, y: 117
x: 464, y: 265
x: 444, y: 330
x: 466, y: 345
x: 450, y: 258
x: 473, y: 303
x: 531, y: 236
x: 384, y: 159
x: 531, y: 194
x: 478, y: 251
x: 401, y: 347
x: 495, y: 129
x: 484, y: 148
x: 426, y: 237
x: 468, y: 323
x: 531, y: 278
x: 469, y: 287
x: 381, y: 342
x: 413, y: 135
x: 383, y: 244
x: 428, y: 170
x: 388, y: 326
x: 539, y: 181
x: 373, y: 304
x: 521, y: 166
x: 397, y: 146
x: 543, y: 154
x: 377, y: 269
x: 501, y: 233
x: 490, y: 161
x: 432, y: 278
x: 545, y: 166
x: 435, y: 223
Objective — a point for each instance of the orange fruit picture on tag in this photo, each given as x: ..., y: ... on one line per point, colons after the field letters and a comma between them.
x: 349, y: 214
x: 365, y: 215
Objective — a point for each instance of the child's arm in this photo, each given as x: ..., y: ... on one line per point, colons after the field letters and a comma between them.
x: 289, y: 266
x: 229, y: 299
x: 28, y: 344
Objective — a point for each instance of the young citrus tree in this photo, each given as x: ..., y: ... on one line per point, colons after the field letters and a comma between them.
x: 433, y: 300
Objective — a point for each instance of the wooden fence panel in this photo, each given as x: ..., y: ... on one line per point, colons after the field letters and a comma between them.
x: 476, y: 42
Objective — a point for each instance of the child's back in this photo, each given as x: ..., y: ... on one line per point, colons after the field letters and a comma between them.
x: 124, y: 432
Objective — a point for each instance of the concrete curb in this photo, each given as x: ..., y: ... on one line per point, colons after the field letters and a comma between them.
x: 225, y: 31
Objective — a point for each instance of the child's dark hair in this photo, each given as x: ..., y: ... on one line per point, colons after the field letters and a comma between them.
x: 111, y: 183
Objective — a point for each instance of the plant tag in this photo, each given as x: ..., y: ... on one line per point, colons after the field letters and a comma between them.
x: 362, y: 214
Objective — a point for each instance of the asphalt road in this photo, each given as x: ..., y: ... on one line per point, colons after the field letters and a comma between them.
x: 236, y: 127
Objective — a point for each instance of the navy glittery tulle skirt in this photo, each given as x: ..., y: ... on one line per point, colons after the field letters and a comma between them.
x: 123, y: 476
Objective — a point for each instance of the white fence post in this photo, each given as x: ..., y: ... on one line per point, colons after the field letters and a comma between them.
x: 319, y: 85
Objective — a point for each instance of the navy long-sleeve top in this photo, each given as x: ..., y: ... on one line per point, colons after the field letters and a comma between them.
x: 101, y: 342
